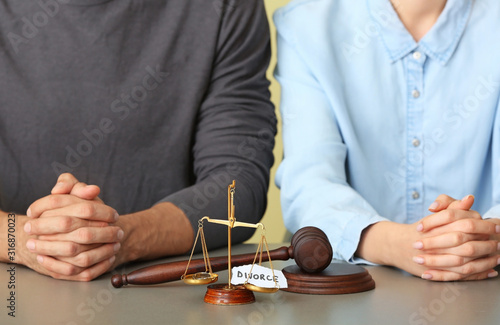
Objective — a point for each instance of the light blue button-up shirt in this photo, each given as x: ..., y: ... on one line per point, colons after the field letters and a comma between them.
x: 376, y: 125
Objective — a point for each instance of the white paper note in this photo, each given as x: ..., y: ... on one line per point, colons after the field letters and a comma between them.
x: 261, y: 276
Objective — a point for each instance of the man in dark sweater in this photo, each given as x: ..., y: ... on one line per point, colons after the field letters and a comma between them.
x: 159, y: 104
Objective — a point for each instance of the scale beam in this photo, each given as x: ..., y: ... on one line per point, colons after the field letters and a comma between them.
x: 235, y: 224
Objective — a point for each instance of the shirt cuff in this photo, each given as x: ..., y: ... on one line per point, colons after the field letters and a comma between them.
x: 493, y: 212
x: 351, y: 237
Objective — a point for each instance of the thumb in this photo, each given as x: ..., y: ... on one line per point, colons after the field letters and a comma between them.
x: 464, y: 204
x: 447, y: 202
x: 86, y: 192
x: 442, y: 202
x: 64, y: 184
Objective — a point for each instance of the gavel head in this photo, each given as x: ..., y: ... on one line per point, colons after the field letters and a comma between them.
x: 311, y: 249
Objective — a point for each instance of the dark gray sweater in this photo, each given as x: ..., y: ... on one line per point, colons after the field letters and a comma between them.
x: 159, y: 100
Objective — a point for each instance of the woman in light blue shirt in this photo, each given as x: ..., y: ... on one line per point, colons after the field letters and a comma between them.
x: 387, y: 104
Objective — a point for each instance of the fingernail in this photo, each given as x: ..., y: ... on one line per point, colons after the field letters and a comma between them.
x: 433, y: 206
x: 116, y: 247
x: 28, y: 213
x: 418, y: 245
x: 467, y: 197
x: 39, y: 259
x: 58, y: 185
x: 420, y: 227
x: 31, y: 245
x: 117, y: 216
x: 498, y: 246
x: 426, y: 276
x: 492, y: 274
x: 112, y: 259
x: 497, y: 229
x: 27, y: 227
x: 418, y: 259
x: 498, y: 261
x: 120, y: 234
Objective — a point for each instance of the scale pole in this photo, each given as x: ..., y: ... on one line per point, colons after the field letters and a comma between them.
x: 231, y: 220
x: 229, y: 255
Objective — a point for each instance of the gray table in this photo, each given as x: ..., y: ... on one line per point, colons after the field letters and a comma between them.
x: 398, y: 298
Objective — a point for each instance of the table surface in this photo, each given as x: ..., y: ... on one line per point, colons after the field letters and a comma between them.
x: 398, y: 298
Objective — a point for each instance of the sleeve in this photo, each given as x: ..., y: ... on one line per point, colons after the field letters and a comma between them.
x: 236, y: 127
x: 494, y: 211
x: 312, y: 176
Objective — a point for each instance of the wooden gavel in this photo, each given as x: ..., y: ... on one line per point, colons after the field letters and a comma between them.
x: 309, y: 247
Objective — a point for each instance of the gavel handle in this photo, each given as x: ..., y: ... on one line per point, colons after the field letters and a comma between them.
x: 168, y: 272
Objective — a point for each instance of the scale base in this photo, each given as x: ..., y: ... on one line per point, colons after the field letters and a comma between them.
x: 338, y: 278
x: 221, y: 294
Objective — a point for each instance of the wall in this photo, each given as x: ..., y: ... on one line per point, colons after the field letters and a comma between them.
x: 273, y: 220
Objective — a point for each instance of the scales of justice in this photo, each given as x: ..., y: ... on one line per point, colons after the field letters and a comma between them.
x: 309, y: 247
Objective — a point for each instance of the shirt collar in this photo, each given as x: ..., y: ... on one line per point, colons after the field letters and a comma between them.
x: 439, y: 43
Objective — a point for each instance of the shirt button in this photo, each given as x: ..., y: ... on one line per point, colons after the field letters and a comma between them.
x: 415, y: 93
x: 415, y: 142
x: 415, y: 195
x: 417, y: 55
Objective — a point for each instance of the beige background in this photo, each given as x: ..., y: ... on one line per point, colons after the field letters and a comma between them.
x: 273, y: 220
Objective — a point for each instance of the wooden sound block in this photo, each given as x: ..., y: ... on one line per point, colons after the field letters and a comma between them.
x: 221, y: 294
x: 338, y: 278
